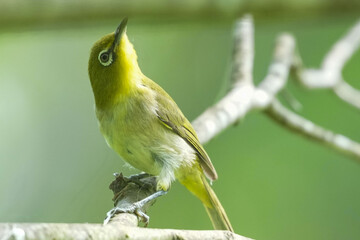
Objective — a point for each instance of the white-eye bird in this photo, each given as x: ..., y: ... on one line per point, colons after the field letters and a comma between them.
x: 143, y: 124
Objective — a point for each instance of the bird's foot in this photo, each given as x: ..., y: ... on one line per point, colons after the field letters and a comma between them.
x: 134, y: 208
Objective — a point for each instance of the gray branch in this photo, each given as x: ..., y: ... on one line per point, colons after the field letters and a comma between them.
x: 347, y: 93
x: 238, y: 101
x: 307, y: 128
x: 278, y: 72
x: 330, y: 74
x: 244, y: 96
x: 114, y: 231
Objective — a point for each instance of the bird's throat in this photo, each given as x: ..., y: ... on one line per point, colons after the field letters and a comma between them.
x: 122, y: 80
x: 127, y: 65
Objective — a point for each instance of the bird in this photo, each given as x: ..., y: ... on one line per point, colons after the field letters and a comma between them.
x: 144, y: 125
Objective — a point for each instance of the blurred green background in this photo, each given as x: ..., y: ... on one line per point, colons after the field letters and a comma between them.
x: 56, y: 167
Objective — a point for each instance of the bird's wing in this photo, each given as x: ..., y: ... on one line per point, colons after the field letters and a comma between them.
x: 172, y: 118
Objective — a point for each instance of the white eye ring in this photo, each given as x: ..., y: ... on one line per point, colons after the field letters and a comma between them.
x: 105, y: 58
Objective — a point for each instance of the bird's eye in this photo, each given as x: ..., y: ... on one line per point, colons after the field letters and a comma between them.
x: 105, y: 58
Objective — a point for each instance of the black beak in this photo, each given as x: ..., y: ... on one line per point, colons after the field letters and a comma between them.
x: 119, y: 32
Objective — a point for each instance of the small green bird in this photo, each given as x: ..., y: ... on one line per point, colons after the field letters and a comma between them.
x: 143, y: 124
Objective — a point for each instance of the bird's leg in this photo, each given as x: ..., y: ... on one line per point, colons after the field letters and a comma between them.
x: 138, y: 176
x: 135, y: 208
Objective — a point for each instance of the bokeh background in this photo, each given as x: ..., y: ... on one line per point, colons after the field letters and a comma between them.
x: 56, y: 167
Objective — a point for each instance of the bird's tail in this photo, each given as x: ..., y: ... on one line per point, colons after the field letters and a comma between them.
x: 216, y: 211
x: 199, y: 186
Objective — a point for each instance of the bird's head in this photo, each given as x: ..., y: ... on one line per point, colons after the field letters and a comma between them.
x: 112, y: 66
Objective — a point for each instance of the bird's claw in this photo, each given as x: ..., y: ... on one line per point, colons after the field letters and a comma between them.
x: 134, y: 208
x: 143, y: 217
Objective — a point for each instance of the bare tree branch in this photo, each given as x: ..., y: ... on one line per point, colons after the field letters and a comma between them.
x: 114, y: 231
x: 244, y: 96
x: 238, y: 101
x: 309, y: 129
x: 278, y: 72
x: 243, y: 53
x: 330, y: 74
x: 347, y: 93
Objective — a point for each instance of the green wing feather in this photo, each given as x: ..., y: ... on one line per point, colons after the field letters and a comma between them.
x: 173, y: 119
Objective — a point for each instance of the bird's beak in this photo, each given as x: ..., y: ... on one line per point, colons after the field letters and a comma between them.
x: 119, y: 32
